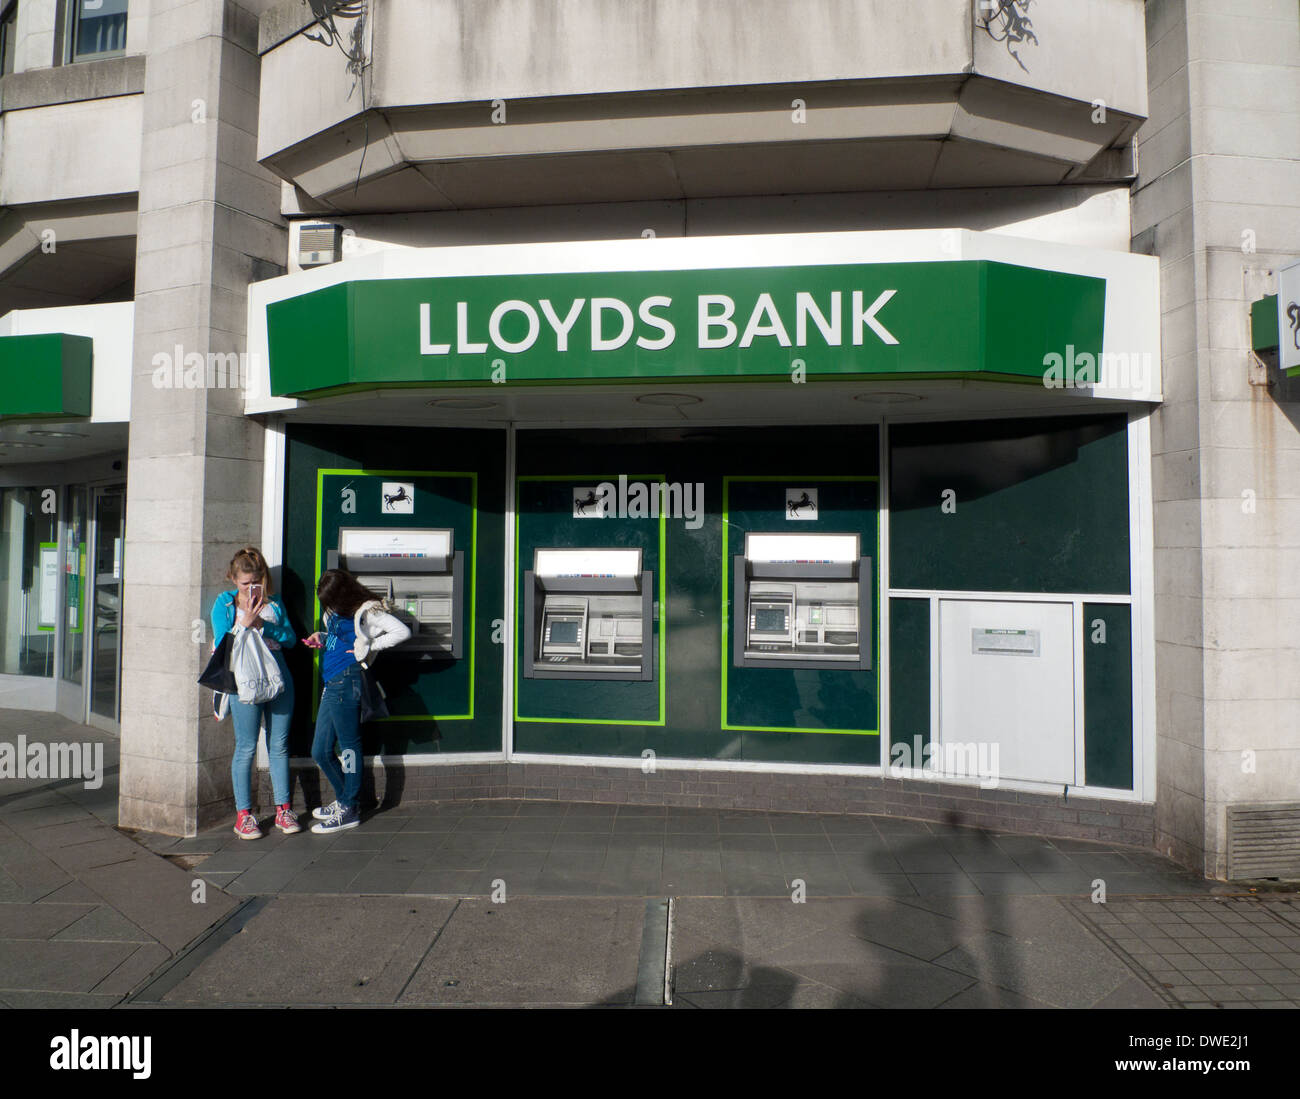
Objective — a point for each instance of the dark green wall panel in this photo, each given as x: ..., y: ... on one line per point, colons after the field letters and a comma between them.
x: 545, y: 520
x: 1108, y: 695
x: 417, y: 690
x: 909, y: 675
x: 1039, y: 505
x: 693, y: 719
x: 772, y: 698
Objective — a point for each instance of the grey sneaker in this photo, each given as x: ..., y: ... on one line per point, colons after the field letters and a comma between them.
x: 324, y: 812
x: 339, y: 820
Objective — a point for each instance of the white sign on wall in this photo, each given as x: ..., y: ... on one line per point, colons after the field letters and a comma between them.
x: 1288, y: 316
x: 49, y: 601
x: 800, y: 503
x: 399, y: 497
x: 587, y: 503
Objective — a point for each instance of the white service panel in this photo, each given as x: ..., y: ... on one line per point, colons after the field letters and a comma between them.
x: 1006, y: 685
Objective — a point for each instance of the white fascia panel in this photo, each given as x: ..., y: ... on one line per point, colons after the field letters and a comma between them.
x: 1132, y: 319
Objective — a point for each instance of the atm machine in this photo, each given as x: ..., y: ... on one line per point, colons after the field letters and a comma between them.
x: 421, y: 572
x: 802, y: 601
x: 588, y: 614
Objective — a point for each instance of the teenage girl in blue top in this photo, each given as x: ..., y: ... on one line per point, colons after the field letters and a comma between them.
x: 346, y: 605
x: 251, y: 606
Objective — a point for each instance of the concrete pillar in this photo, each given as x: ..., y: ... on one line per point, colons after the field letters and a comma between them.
x: 208, y: 225
x: 1217, y: 201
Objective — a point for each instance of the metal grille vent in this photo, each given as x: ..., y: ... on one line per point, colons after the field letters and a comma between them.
x: 318, y: 243
x: 1264, y: 840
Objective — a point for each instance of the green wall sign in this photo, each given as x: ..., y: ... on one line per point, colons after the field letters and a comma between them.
x: 968, y: 317
x: 46, y: 374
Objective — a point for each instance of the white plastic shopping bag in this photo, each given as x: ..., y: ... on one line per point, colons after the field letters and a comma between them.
x: 256, y: 672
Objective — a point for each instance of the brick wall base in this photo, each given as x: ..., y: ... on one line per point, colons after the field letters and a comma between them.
x: 1123, y: 822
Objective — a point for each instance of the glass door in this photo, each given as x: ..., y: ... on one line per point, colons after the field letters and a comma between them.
x: 72, y: 550
x: 108, y: 543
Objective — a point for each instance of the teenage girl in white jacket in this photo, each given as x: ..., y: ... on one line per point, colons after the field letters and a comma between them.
x: 356, y: 628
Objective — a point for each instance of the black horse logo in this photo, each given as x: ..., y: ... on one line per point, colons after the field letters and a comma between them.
x: 588, y: 501
x: 1293, y: 315
x: 395, y: 498
x: 804, y: 501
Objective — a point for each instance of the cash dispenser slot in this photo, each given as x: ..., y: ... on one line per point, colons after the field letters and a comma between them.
x: 804, y: 601
x: 421, y: 572
x: 588, y: 614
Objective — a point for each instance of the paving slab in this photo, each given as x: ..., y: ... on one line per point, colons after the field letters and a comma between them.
x: 38, y: 921
x: 319, y: 951
x: 134, y: 969
x: 534, y: 951
x: 58, y: 966
x: 158, y: 898
x: 62, y: 1001
x: 101, y: 924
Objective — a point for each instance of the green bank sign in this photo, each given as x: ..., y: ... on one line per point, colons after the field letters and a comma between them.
x: 971, y: 317
x: 45, y: 375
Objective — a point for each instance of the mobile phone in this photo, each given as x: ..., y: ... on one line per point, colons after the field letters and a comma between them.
x: 254, y: 593
x: 312, y: 641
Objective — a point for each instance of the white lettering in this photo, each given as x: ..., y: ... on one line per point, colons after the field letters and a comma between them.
x: 598, y: 308
x: 868, y: 317
x: 494, y: 325
x: 765, y: 307
x: 662, y: 323
x: 710, y: 320
x: 463, y: 345
x: 562, y: 327
x: 805, y: 307
x: 426, y: 346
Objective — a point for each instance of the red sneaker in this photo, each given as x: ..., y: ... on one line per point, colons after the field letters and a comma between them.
x: 285, y: 820
x: 246, y: 826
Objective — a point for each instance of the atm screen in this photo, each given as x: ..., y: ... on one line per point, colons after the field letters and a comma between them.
x: 564, y: 632
x: 770, y: 621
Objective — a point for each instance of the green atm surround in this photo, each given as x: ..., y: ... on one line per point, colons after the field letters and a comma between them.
x: 758, y: 699
x: 793, y: 725
x: 437, y: 705
x: 544, y: 519
x: 446, y: 493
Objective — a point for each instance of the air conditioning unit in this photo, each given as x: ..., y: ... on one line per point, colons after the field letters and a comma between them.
x: 319, y: 242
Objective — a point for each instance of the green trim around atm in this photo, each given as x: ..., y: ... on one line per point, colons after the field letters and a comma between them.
x: 321, y: 474
x: 44, y: 375
x: 662, y: 610
x: 726, y: 613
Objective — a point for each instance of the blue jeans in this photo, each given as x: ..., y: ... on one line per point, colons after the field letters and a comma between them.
x: 248, y: 722
x: 339, y: 719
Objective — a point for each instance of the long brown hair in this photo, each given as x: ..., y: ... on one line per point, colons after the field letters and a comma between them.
x: 250, y: 560
x: 341, y: 593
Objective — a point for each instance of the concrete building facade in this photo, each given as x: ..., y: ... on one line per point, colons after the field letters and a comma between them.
x: 971, y: 280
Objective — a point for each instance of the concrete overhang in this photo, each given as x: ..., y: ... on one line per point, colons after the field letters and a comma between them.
x: 603, y: 102
x: 67, y: 253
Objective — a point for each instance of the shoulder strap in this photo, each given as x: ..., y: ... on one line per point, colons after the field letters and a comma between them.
x: 362, y: 610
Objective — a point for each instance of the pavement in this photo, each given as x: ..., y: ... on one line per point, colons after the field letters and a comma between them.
x: 531, y: 903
